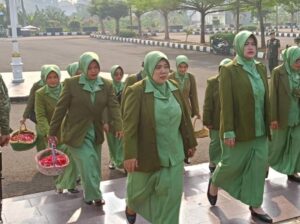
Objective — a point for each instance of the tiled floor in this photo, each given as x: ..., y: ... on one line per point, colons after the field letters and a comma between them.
x: 281, y: 201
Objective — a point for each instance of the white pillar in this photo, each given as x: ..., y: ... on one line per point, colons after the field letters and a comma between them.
x: 16, y: 62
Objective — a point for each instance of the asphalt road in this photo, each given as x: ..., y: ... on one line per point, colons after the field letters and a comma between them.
x: 21, y: 176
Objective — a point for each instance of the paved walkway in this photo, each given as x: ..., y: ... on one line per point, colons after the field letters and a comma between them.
x: 281, y: 201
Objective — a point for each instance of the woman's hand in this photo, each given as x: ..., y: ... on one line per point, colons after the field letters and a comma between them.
x: 106, y: 127
x: 191, y: 152
x: 130, y: 165
x: 209, y: 126
x: 52, y: 140
x: 230, y: 142
x: 274, y: 125
x: 4, y: 140
x: 119, y: 134
x: 22, y: 121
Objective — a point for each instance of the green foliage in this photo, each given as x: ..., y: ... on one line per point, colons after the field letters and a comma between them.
x: 228, y: 36
x: 3, y: 21
x: 74, y: 26
x: 249, y: 27
x: 127, y: 33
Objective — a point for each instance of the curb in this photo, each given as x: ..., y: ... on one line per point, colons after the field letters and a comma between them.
x: 190, y: 47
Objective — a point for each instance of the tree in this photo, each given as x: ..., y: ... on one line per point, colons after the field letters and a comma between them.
x: 259, y: 5
x: 98, y: 8
x: 165, y: 7
x: 55, y: 14
x: 23, y: 14
x: 204, y: 7
x: 139, y: 8
x: 2, y: 15
x: 7, y: 11
x: 291, y: 6
x: 117, y: 10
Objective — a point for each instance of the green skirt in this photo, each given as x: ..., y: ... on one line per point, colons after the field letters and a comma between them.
x: 67, y: 180
x: 284, y: 150
x: 115, y: 146
x: 87, y: 158
x: 241, y: 171
x: 156, y: 196
x: 215, y: 149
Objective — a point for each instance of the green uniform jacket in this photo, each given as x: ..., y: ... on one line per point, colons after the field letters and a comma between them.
x: 4, y: 108
x: 75, y: 112
x: 190, y: 94
x: 130, y: 80
x: 44, y: 109
x: 139, y: 127
x: 211, y: 108
x: 280, y: 96
x: 30, y: 103
x: 238, y: 104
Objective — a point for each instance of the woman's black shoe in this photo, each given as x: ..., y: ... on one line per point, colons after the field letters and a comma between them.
x: 99, y: 202
x: 73, y: 191
x: 267, y: 174
x: 212, y: 199
x: 293, y: 178
x: 211, y: 168
x: 262, y: 217
x: 130, y: 218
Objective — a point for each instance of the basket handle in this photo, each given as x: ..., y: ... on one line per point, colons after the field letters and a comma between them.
x: 52, y: 147
x: 22, y: 128
x: 194, y: 122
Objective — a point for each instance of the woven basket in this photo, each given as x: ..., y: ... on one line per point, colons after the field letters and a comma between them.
x: 53, y: 170
x: 21, y: 145
x: 201, y: 133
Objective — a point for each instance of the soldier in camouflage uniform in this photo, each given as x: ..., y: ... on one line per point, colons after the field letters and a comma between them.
x: 272, y: 51
x: 4, y: 114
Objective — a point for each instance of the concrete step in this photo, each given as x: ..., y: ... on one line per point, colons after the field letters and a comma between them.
x: 281, y: 201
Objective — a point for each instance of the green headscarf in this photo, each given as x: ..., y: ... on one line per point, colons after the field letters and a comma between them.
x: 150, y: 61
x: 84, y: 61
x: 53, y: 92
x: 181, y: 77
x: 42, y: 80
x: 73, y: 68
x: 118, y: 86
x: 290, y: 56
x: 239, y: 45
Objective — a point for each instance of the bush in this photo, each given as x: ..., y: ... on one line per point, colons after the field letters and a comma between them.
x: 249, y: 27
x: 127, y: 33
x: 222, y: 42
x: 228, y: 36
x: 74, y: 26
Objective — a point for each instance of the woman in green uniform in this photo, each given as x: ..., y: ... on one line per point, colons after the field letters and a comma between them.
x: 244, y: 128
x: 211, y: 117
x: 157, y: 135
x: 114, y: 144
x: 73, y: 69
x: 79, y: 114
x: 284, y: 151
x: 29, y: 112
x: 45, y: 101
x: 187, y: 84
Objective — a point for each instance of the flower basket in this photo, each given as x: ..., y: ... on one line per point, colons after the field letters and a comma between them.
x: 201, y: 133
x: 22, y: 139
x: 51, y: 162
